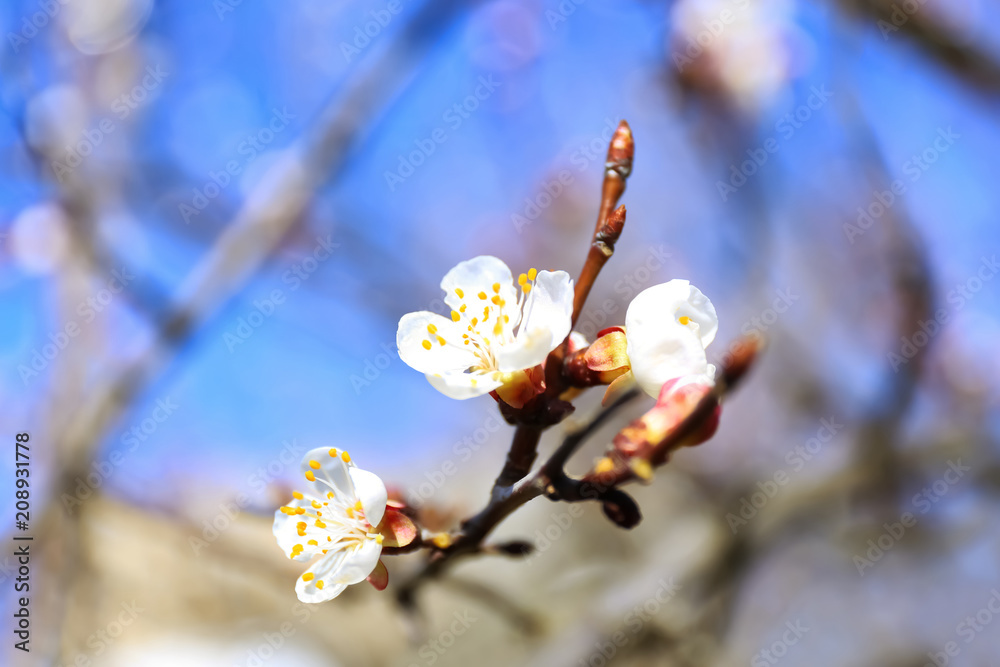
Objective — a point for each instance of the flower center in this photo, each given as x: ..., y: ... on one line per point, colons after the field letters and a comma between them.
x: 488, y: 328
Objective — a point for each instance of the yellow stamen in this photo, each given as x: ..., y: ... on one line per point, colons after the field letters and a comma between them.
x: 442, y: 540
x: 431, y: 328
x: 441, y: 341
x: 532, y: 273
x: 296, y: 495
x: 526, y: 288
x: 301, y: 525
x: 333, y: 453
x: 316, y: 505
x: 497, y: 300
x: 314, y: 465
x: 379, y: 539
x: 310, y: 476
x: 482, y: 295
x: 426, y: 344
x: 346, y: 457
x: 319, y: 585
x: 497, y: 329
x: 642, y: 469
x: 604, y: 465
x: 459, y: 292
x: 496, y: 288
x: 308, y: 576
x: 462, y: 309
x: 312, y: 543
x: 455, y: 316
x: 329, y: 494
x: 320, y: 524
x: 300, y: 510
x: 522, y: 279
x: 684, y: 320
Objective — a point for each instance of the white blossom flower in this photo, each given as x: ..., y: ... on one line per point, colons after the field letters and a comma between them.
x: 495, y: 337
x: 337, y: 517
x: 667, y: 328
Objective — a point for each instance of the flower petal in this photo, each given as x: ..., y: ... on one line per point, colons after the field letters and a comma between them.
x: 423, y: 351
x: 329, y: 472
x: 549, y: 305
x: 286, y: 532
x: 527, y: 350
x: 660, y: 347
x: 371, y: 492
x: 318, y: 583
x: 672, y: 300
x: 476, y: 275
x: 359, y: 563
x: 463, y: 385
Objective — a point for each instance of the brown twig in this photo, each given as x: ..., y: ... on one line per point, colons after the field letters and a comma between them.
x: 546, y: 409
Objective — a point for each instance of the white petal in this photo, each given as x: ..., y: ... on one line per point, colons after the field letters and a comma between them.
x: 308, y: 592
x: 549, y: 306
x: 371, y: 492
x: 463, y: 385
x: 331, y: 475
x: 412, y: 333
x: 674, y: 353
x: 476, y: 275
x: 660, y: 348
x: 358, y: 564
x: 325, y: 570
x: 668, y: 302
x: 286, y: 532
x: 527, y: 350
